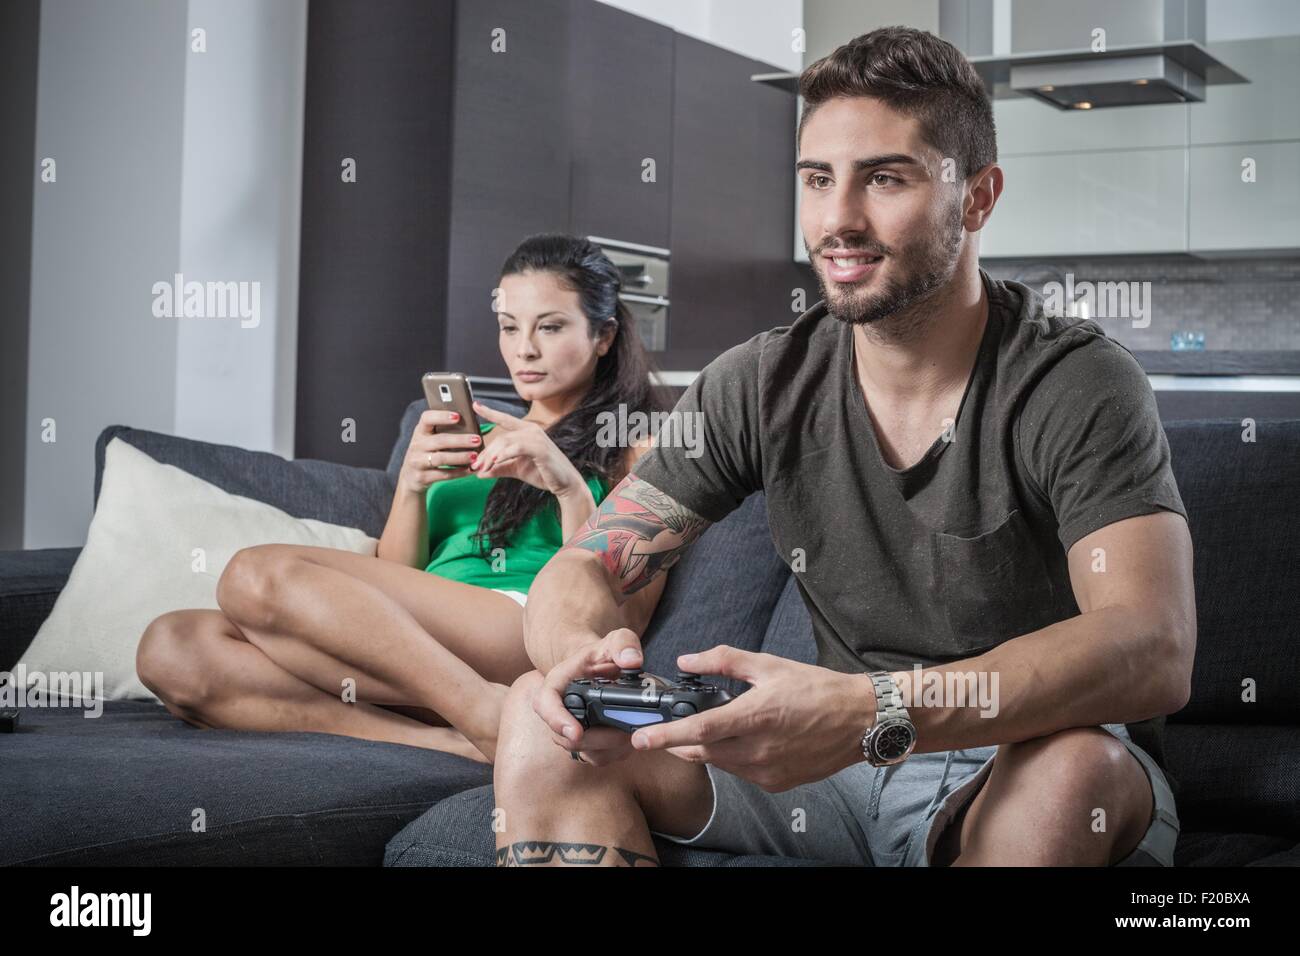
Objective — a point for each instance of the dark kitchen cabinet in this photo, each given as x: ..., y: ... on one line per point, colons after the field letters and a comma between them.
x: 621, y: 116
x: 510, y: 166
x: 373, y: 262
x: 732, y: 205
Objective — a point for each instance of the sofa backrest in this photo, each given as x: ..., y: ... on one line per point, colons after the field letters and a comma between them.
x: 1243, y: 505
x: 305, y: 488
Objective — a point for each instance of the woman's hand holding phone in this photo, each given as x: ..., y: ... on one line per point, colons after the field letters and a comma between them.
x: 430, y: 450
x: 523, y: 450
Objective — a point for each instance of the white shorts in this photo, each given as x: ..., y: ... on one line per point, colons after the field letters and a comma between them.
x: 519, y: 597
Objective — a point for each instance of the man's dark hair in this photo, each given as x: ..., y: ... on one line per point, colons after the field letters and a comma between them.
x: 918, y: 74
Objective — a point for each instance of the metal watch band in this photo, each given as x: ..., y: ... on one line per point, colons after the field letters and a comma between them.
x: 889, y: 702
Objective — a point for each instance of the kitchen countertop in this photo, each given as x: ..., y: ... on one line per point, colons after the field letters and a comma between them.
x: 1219, y: 362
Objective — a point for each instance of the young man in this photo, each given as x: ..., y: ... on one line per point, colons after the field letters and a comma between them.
x: 958, y: 480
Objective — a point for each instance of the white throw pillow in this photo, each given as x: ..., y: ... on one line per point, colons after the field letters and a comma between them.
x: 158, y: 542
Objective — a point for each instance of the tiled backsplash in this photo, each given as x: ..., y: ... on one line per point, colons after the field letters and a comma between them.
x: 1237, y: 304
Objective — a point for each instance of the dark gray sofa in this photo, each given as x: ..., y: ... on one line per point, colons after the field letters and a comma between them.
x: 122, y: 789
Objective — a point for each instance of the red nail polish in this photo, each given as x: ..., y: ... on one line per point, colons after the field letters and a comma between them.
x: 455, y: 417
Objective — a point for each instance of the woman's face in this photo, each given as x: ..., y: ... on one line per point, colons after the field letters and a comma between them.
x: 543, y: 337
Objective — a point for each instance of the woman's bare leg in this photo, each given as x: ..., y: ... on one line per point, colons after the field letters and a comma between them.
x: 391, y: 634
x: 206, y: 672
x: 345, y: 622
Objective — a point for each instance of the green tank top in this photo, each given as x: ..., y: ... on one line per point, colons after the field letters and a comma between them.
x: 455, y: 508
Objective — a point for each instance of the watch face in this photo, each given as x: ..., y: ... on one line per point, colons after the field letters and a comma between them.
x: 893, y: 740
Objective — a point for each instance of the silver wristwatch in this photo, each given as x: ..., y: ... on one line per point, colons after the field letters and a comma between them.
x: 892, y: 736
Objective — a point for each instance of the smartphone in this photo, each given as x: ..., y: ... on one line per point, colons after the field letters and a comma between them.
x: 450, y: 392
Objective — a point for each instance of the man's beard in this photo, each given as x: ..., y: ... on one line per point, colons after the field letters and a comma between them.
x: 927, y: 267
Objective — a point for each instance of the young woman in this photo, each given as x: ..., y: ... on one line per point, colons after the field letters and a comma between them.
x: 419, y: 644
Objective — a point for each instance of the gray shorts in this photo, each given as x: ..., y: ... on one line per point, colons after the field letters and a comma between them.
x: 887, y: 816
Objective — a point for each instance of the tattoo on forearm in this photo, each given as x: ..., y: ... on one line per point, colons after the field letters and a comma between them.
x: 542, y: 852
x: 639, y: 531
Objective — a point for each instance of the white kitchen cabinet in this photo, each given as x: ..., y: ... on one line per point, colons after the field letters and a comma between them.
x: 1266, y: 108
x: 1231, y: 215
x: 1090, y: 203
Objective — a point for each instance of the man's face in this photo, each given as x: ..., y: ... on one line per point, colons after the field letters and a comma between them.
x: 873, y: 195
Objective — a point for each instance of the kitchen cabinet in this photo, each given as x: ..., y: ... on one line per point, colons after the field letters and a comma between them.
x: 732, y: 204
x: 1266, y: 108
x: 373, y: 262
x: 1093, y: 203
x: 620, y: 126
x: 511, y: 154
x: 1259, y: 121
x: 1231, y: 215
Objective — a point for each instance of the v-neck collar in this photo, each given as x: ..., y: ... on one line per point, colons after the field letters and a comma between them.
x: 939, y: 445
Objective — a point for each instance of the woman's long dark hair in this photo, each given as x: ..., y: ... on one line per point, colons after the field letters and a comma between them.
x: 622, y: 377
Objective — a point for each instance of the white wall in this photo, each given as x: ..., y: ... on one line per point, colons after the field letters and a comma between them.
x: 241, y: 193
x: 168, y: 161
x: 760, y: 29
x: 108, y: 111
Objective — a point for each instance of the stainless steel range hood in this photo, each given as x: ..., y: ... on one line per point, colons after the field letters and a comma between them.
x: 1094, y: 55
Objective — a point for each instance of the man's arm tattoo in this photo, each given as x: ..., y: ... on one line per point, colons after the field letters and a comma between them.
x: 542, y: 852
x: 638, y: 532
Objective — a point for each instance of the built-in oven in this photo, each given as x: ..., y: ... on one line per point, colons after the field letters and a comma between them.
x: 644, y: 270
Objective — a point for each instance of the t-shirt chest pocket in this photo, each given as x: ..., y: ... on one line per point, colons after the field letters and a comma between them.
x: 994, y: 586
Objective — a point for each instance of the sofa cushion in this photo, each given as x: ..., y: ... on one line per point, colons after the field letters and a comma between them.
x: 304, y: 488
x: 1234, y: 849
x: 458, y: 832
x: 790, y: 631
x: 1236, y: 776
x: 123, y: 789
x: 1241, y: 500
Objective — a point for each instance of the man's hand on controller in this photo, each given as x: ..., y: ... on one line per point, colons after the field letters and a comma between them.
x: 619, y: 648
x: 796, y: 724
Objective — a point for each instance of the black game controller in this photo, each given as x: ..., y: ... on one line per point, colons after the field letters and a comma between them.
x: 638, y: 700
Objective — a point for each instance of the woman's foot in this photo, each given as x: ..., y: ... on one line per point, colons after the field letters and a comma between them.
x: 452, y: 741
x: 483, y: 735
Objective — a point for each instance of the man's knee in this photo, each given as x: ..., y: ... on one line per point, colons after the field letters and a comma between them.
x: 1083, y: 770
x: 527, y: 757
x: 1071, y: 760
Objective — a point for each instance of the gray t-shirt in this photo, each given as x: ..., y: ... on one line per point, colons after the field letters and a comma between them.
x: 1057, y: 435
